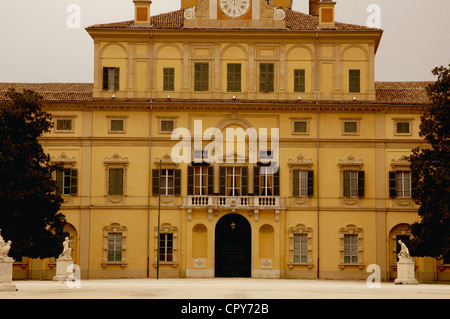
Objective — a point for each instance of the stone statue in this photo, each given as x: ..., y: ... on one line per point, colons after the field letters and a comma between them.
x: 4, y: 248
x: 67, y: 251
x: 404, y: 252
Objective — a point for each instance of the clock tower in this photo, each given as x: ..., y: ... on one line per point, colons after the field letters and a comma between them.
x: 234, y: 9
x: 235, y: 13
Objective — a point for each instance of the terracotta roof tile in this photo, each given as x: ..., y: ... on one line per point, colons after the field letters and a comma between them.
x: 296, y: 21
x: 401, y: 93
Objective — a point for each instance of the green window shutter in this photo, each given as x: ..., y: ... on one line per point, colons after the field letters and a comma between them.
x: 234, y: 77
x: 73, y: 182
x: 177, y: 182
x: 222, y: 180
x: 346, y: 183
x: 244, y: 171
x: 361, y: 184
x: 296, y: 178
x: 201, y: 76
x: 155, y: 178
x: 266, y: 77
x: 210, y: 180
x: 169, y: 79
x: 310, y: 183
x: 59, y: 182
x: 116, y: 79
x: 190, y: 186
x: 116, y: 181
x: 299, y: 80
x: 256, y: 171
x: 392, y: 184
x: 354, y: 81
x: 105, y: 78
x: 276, y: 182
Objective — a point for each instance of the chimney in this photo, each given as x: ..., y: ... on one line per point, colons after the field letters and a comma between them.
x: 283, y: 3
x: 326, y: 14
x: 142, y: 12
x: 314, y: 7
x: 190, y: 3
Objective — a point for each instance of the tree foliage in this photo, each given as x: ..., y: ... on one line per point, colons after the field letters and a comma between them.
x: 431, y: 173
x: 29, y: 204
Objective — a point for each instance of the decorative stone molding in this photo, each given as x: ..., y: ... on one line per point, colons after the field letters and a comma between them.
x: 279, y: 14
x: 167, y: 229
x: 300, y: 229
x: 350, y: 161
x: 401, y: 164
x: 189, y: 13
x: 300, y: 161
x: 116, y: 159
x: 114, y: 228
x: 64, y: 159
x: 166, y: 161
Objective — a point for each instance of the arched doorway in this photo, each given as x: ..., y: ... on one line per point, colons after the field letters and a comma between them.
x: 233, y: 247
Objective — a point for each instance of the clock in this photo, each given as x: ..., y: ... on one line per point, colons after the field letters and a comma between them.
x: 234, y: 8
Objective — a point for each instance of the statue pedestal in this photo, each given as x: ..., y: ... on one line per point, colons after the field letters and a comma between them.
x: 61, y: 269
x: 6, y: 270
x: 405, y: 273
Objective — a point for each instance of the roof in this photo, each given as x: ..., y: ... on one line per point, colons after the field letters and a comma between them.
x: 398, y: 93
x: 295, y: 21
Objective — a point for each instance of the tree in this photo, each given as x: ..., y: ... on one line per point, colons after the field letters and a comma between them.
x: 430, y: 171
x: 29, y: 203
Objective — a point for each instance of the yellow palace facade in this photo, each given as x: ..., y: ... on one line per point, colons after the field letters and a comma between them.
x: 322, y: 190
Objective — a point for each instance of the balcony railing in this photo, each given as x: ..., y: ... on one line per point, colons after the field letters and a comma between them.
x: 234, y: 202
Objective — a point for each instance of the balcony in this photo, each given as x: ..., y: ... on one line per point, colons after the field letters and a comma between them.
x: 233, y: 203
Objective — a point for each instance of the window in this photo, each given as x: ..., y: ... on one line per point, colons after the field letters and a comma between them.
x: 167, y: 182
x: 234, y: 77
x: 266, y: 77
x: 64, y: 125
x: 400, y: 184
x: 167, y: 241
x: 354, y: 183
x: 111, y: 79
x: 350, y: 249
x: 234, y: 181
x: 266, y: 181
x: 300, y: 127
x: 303, y: 183
x: 200, y: 180
x: 169, y: 79
x: 403, y: 126
x: 67, y: 181
x: 354, y: 81
x: 166, y: 125
x: 114, y: 247
x: 116, y: 124
x: 115, y: 181
x: 350, y: 127
x: 201, y: 76
x: 299, y: 80
x: 300, y: 248
x: 166, y: 247
x: 170, y: 182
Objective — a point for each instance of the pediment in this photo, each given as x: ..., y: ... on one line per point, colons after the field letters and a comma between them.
x: 208, y: 14
x: 234, y: 157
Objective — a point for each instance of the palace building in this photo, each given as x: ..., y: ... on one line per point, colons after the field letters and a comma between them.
x: 317, y: 185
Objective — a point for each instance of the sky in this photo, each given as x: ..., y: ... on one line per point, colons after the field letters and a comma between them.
x: 36, y: 44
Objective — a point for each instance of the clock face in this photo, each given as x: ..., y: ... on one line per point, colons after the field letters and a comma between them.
x: 235, y: 8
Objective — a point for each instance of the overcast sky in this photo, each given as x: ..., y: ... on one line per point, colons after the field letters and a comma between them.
x: 37, y: 46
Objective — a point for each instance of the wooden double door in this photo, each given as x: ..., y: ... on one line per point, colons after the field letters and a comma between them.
x: 233, y: 247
